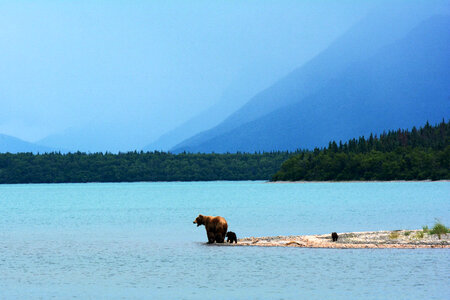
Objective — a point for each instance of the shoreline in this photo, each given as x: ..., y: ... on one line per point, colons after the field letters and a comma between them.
x: 358, y: 181
x: 396, y: 239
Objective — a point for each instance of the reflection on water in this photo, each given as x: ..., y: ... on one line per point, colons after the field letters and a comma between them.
x: 137, y: 241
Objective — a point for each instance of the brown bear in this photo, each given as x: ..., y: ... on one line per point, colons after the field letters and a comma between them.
x: 216, y: 227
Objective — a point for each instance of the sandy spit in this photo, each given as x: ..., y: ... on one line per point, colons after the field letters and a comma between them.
x: 400, y: 239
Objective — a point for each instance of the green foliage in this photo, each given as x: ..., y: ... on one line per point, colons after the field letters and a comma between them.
x: 418, y: 154
x: 419, y: 235
x: 137, y: 166
x: 393, y: 235
x: 397, y: 155
x: 425, y: 229
x: 407, y: 233
x: 439, y: 229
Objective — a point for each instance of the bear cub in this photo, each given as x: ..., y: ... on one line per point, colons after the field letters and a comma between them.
x: 231, y: 237
x: 334, y: 236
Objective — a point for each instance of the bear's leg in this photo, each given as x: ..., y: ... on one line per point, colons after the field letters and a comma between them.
x: 219, y: 237
x: 210, y: 237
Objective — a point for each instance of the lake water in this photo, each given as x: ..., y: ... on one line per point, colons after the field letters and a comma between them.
x: 137, y: 241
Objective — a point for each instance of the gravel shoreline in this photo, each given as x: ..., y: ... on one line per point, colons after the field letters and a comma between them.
x: 401, y: 239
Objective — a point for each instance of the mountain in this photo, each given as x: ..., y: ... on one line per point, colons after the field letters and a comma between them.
x: 398, y: 85
x: 14, y: 145
x: 123, y: 135
x: 94, y: 137
x: 378, y: 29
x: 205, y: 120
x: 234, y: 97
x: 254, y: 76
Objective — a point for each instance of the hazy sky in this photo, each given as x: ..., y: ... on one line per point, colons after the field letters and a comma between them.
x: 148, y: 64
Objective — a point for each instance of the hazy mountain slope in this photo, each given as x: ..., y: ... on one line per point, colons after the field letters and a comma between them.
x: 209, y: 118
x: 252, y: 78
x: 364, y: 39
x: 404, y: 84
x: 97, y: 136
x: 14, y: 145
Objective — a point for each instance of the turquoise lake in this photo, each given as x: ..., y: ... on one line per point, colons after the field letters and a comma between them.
x: 137, y: 241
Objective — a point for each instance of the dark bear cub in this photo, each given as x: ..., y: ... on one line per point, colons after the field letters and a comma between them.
x: 334, y: 236
x: 231, y: 237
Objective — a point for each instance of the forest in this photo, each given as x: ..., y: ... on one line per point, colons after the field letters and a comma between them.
x: 416, y: 154
x: 137, y: 166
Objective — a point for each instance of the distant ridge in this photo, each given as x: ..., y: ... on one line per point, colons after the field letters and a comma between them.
x: 14, y: 145
x: 336, y: 97
x: 207, y: 119
x: 234, y: 96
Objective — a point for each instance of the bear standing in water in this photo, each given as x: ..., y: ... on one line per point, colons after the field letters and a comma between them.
x: 231, y: 237
x: 216, y: 227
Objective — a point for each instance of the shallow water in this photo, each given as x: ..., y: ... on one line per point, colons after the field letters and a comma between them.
x: 137, y: 240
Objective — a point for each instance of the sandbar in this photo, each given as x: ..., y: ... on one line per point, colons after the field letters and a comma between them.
x: 401, y: 239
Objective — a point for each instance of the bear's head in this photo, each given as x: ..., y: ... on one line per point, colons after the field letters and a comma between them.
x: 199, y: 220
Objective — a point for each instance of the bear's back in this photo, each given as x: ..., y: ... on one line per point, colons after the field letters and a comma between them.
x: 216, y: 222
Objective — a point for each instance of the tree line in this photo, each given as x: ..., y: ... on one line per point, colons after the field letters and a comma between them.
x: 416, y: 154
x: 137, y: 166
